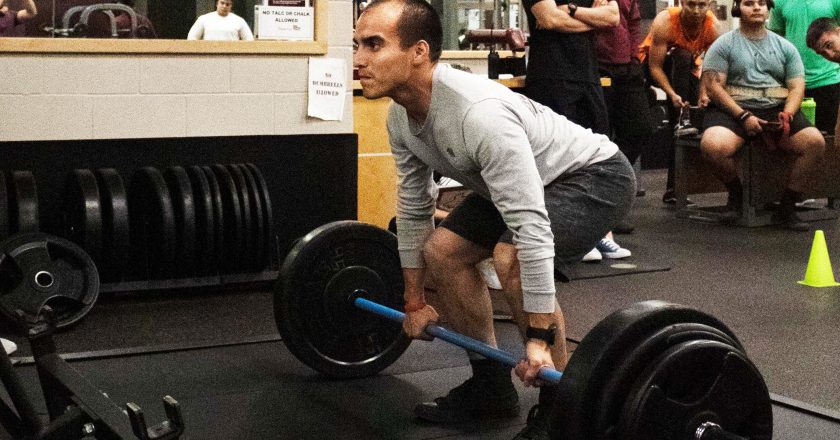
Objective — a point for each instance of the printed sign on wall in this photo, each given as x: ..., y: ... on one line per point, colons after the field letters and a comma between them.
x: 285, y: 20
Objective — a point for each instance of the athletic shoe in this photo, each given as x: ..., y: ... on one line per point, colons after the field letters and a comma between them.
x: 670, y: 198
x: 593, y: 255
x: 488, y: 272
x: 611, y: 249
x: 488, y: 394
x: 536, y: 427
x: 9, y: 346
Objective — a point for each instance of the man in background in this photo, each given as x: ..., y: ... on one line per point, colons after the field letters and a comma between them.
x: 790, y: 19
x: 10, y: 18
x: 673, y: 51
x: 220, y: 25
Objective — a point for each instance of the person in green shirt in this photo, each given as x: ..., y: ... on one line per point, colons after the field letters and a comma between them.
x: 790, y: 19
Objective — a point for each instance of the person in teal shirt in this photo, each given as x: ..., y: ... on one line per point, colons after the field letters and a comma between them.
x: 790, y: 19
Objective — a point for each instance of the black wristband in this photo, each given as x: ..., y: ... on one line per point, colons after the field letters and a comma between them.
x: 744, y: 116
x: 544, y: 334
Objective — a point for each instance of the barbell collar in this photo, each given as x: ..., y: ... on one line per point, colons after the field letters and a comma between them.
x: 547, y: 374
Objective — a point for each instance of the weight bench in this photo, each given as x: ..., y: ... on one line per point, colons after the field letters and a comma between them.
x: 763, y: 174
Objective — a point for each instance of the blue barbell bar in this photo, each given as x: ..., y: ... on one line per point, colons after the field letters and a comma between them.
x: 546, y: 374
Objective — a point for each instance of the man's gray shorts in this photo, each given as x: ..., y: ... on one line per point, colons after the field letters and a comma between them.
x: 583, y: 205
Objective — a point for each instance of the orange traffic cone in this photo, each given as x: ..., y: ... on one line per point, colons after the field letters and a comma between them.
x: 819, y: 273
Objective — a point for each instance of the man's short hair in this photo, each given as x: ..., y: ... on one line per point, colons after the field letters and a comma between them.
x: 736, y: 7
x: 816, y: 30
x: 418, y: 21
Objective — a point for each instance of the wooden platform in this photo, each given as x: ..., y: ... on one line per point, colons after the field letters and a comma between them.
x: 763, y: 174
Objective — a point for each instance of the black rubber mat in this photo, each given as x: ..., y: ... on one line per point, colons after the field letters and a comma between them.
x: 205, y: 246
x: 23, y: 205
x: 82, y: 212
x: 259, y: 391
x: 183, y: 205
x: 152, y: 218
x: 613, y: 268
x: 116, y: 247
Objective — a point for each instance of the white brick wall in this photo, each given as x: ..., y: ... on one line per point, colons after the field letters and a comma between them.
x: 81, y: 96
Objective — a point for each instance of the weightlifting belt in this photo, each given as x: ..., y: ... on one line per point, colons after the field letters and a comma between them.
x: 750, y: 92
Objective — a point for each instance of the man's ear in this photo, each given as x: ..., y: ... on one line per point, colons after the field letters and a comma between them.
x: 421, y: 52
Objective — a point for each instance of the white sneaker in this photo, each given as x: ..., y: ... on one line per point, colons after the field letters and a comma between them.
x: 593, y: 255
x: 611, y: 249
x: 488, y: 272
x: 9, y: 346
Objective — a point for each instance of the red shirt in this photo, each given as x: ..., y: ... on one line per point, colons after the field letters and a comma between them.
x: 619, y: 44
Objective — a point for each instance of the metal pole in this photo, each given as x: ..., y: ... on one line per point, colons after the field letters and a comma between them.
x: 547, y: 374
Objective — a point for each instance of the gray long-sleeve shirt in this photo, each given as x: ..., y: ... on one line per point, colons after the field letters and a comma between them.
x: 499, y: 144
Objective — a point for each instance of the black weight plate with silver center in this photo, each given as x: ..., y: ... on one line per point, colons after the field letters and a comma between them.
x: 24, y: 202
x: 116, y: 246
x: 268, y: 241
x: 205, y: 251
x: 82, y: 212
x: 257, y: 218
x: 695, y: 382
x: 234, y: 230
x: 4, y: 208
x: 152, y: 221
x: 248, y: 239
x: 601, y: 350
x: 635, y: 360
x: 38, y: 269
x: 312, y: 299
x: 183, y: 205
x: 220, y: 256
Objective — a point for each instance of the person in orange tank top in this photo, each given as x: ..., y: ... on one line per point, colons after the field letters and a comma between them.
x: 673, y: 53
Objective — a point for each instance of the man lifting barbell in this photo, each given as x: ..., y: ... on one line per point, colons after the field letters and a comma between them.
x: 545, y: 191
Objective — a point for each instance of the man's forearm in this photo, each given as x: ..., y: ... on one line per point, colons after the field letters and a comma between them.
x: 599, y: 17
x: 794, y: 99
x: 661, y: 79
x: 415, y: 293
x: 563, y: 22
x: 714, y: 87
x: 29, y: 12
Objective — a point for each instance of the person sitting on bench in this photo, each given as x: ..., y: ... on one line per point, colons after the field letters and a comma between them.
x: 545, y: 191
x: 673, y: 51
x: 756, y: 82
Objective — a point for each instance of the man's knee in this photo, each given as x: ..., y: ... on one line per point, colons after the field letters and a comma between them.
x: 445, y: 248
x: 719, y: 143
x: 506, y: 263
x: 809, y: 141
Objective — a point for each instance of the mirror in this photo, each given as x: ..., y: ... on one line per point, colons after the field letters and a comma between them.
x: 161, y: 26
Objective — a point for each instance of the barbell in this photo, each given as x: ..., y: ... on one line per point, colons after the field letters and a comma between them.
x: 652, y: 370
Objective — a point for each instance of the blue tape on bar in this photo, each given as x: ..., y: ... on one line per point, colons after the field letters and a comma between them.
x: 547, y: 374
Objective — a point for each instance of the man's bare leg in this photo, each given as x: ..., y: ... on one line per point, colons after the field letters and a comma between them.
x: 809, y: 146
x: 462, y: 294
x: 464, y: 300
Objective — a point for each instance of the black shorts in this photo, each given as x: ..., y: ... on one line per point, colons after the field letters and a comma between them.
x: 715, y: 117
x: 582, y: 205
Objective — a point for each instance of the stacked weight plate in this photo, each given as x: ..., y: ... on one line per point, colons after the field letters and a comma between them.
x: 95, y: 217
x: 200, y: 221
x: 18, y: 203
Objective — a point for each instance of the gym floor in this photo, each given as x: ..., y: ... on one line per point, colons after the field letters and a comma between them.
x: 219, y: 355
